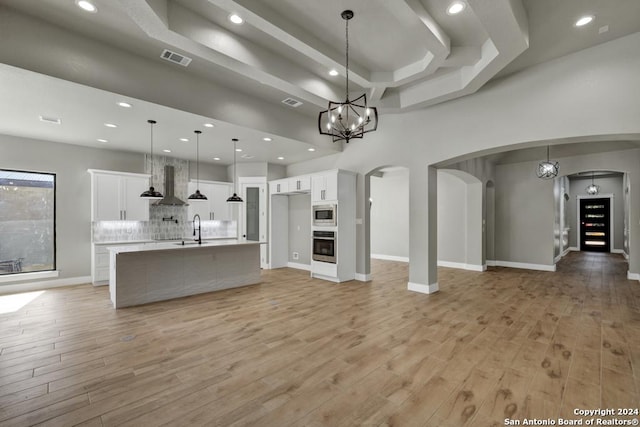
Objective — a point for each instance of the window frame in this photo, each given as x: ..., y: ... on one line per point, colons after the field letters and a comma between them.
x: 55, y: 223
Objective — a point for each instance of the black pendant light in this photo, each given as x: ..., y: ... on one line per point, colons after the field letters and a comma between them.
x: 151, y: 193
x: 235, y: 198
x: 350, y: 119
x: 197, y: 195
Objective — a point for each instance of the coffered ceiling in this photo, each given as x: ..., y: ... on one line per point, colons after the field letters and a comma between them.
x: 405, y: 54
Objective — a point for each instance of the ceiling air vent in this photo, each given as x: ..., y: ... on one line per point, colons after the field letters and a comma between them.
x: 292, y: 102
x: 175, y: 57
x: 54, y: 120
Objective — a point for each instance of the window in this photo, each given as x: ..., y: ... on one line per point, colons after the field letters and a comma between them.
x: 27, y: 222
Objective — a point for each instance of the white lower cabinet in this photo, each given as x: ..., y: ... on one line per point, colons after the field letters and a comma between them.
x: 100, y: 261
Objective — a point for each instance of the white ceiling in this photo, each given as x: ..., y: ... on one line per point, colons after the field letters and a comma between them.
x: 405, y: 54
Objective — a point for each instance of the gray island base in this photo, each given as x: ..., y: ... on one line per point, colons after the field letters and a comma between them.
x: 150, y: 272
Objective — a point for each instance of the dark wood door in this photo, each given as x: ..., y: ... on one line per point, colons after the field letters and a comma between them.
x: 595, y: 225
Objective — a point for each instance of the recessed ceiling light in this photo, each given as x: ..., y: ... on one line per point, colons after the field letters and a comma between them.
x: 102, y: 140
x: 456, y: 7
x: 124, y: 104
x: 236, y: 19
x: 238, y: 149
x: 184, y: 139
x: 166, y: 151
x: 333, y: 73
x: 280, y: 158
x: 584, y: 21
x: 311, y: 149
x: 87, y: 6
x: 266, y: 138
x: 110, y: 125
x: 216, y: 158
x: 209, y: 125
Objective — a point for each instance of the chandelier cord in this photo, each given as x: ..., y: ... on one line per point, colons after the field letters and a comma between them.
x: 347, y: 61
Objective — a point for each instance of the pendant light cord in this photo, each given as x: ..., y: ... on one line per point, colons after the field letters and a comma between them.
x: 151, y: 122
x: 198, y: 159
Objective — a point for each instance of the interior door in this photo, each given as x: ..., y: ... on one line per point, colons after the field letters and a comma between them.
x: 253, y: 214
x: 595, y: 225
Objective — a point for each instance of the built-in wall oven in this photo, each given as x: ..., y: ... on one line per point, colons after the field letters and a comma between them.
x: 324, y: 246
x: 325, y: 215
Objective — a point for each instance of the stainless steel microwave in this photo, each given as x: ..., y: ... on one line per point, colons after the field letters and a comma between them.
x: 325, y: 215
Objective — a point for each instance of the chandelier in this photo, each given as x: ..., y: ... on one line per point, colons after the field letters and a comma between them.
x: 548, y: 169
x: 349, y: 119
x: 593, y: 189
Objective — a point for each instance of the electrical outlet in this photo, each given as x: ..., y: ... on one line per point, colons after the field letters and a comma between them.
x: 296, y: 255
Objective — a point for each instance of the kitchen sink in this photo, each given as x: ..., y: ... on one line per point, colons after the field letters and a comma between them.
x: 188, y: 243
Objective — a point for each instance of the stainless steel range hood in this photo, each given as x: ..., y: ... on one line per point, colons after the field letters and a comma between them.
x: 169, y: 189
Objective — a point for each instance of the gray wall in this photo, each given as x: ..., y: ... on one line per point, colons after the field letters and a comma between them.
x: 73, y: 198
x: 524, y: 215
x: 209, y: 172
x: 300, y: 228
x: 609, y: 185
x: 460, y: 215
x: 390, y: 214
x: 452, y: 216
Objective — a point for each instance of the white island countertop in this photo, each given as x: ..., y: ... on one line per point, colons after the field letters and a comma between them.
x: 177, y: 245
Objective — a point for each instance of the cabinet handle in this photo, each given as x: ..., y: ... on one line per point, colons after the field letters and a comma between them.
x: 213, y: 215
x: 278, y: 189
x: 120, y: 215
x: 298, y: 185
x: 125, y: 215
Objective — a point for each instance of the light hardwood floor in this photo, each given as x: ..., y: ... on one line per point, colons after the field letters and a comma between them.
x: 505, y: 343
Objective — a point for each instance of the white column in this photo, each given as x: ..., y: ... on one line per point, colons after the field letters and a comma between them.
x: 423, y: 238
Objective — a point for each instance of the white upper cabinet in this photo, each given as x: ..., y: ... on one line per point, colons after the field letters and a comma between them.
x: 216, y: 206
x: 299, y: 184
x: 280, y: 186
x: 115, y: 196
x: 324, y: 186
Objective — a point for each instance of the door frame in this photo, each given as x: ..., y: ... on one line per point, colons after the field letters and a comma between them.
x: 597, y: 196
x: 261, y: 183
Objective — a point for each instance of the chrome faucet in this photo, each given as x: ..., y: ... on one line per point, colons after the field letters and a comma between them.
x: 199, y: 239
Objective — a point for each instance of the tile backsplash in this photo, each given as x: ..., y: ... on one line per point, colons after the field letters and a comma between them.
x: 160, y: 225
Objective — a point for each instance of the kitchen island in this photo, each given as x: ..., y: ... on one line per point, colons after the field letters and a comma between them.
x: 150, y: 272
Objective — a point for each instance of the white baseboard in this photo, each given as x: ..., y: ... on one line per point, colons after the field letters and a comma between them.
x: 305, y: 267
x: 34, y: 275
x: 574, y: 249
x: 423, y: 289
x: 566, y: 251
x: 556, y: 259
x: 526, y: 266
x: 491, y: 262
x: 462, y: 266
x: 617, y: 251
x: 626, y: 255
x: 363, y: 277
x: 633, y: 276
x: 47, y: 284
x: 390, y: 257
